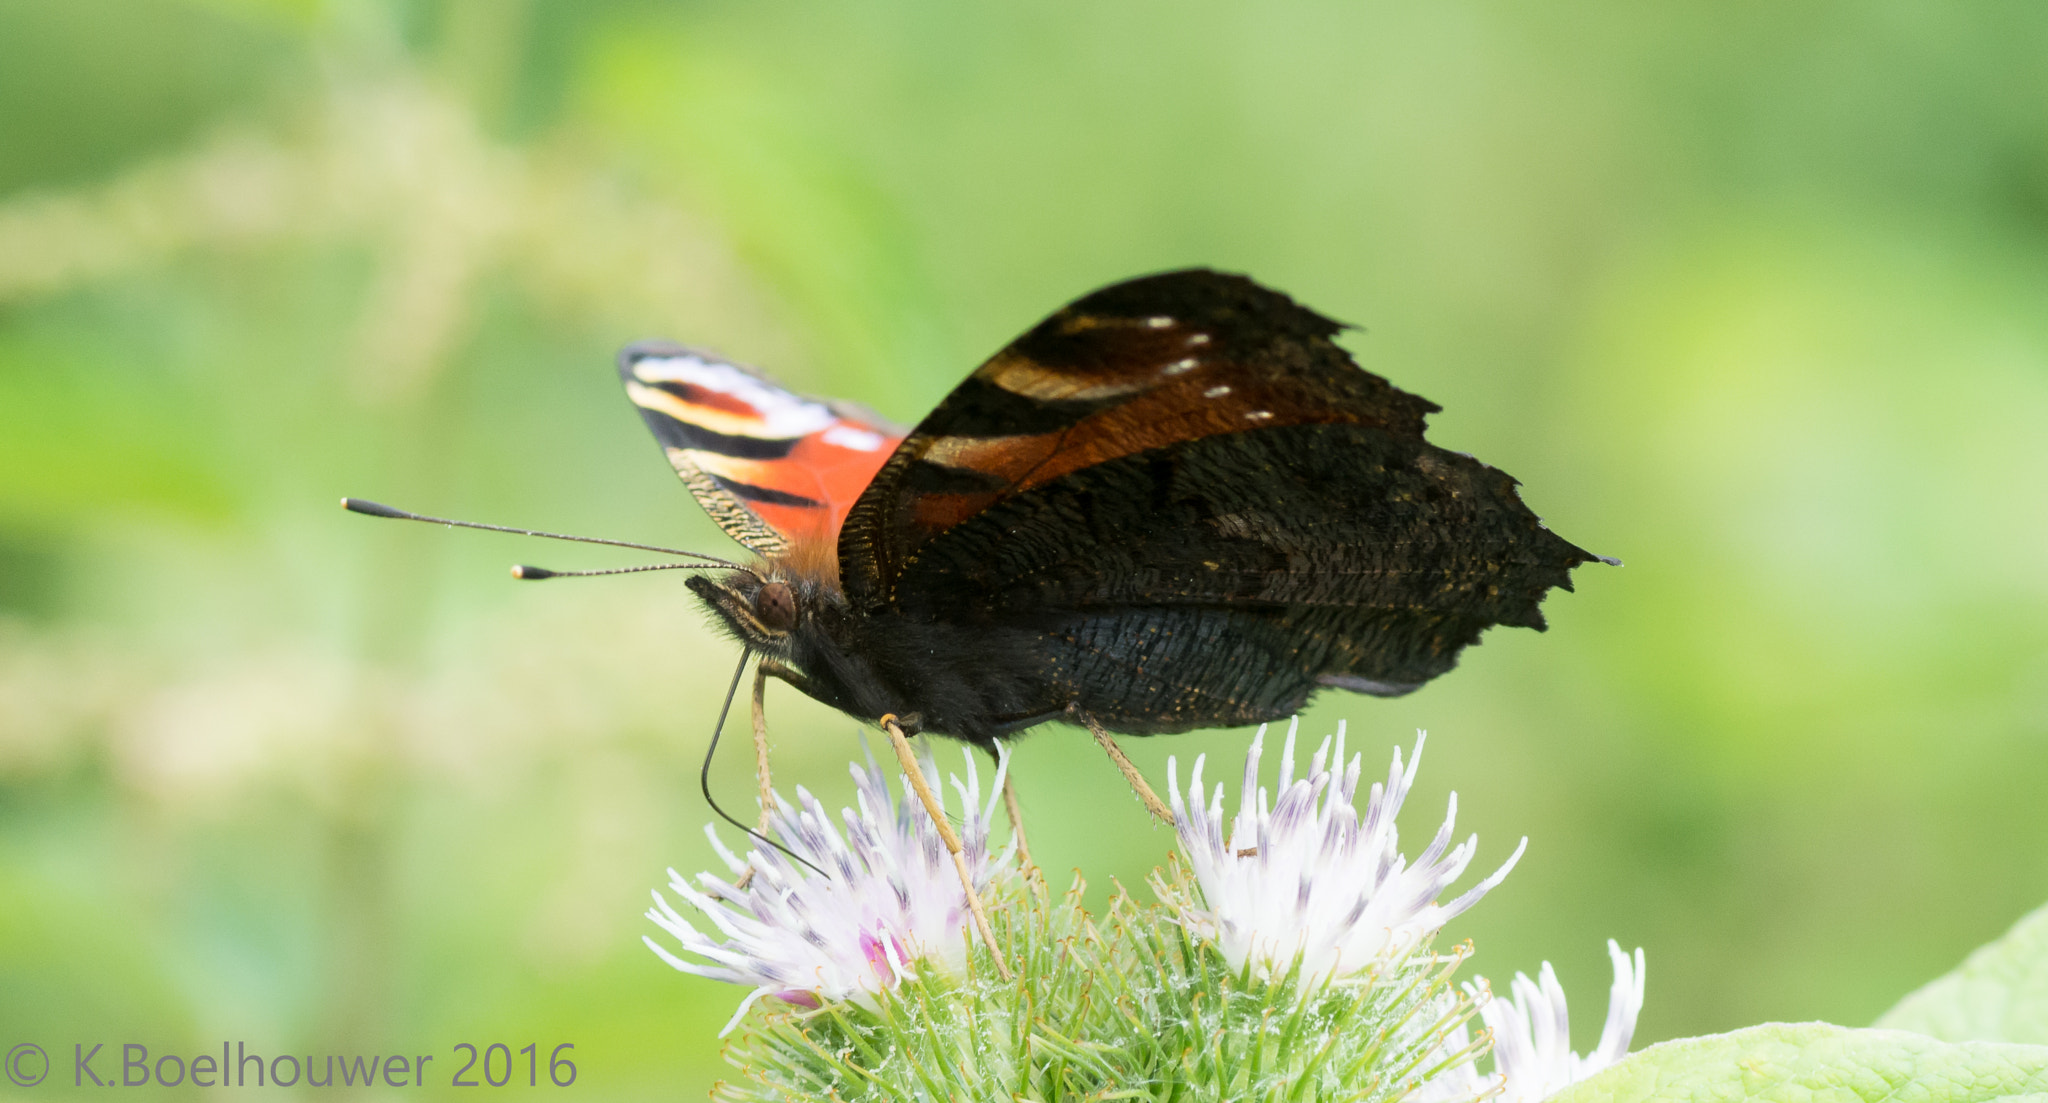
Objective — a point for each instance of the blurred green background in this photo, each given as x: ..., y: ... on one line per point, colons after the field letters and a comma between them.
x: 1753, y: 296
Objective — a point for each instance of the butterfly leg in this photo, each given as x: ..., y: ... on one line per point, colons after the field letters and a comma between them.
x: 761, y: 744
x: 1016, y: 821
x: 760, y: 760
x: 1146, y: 796
x: 915, y: 773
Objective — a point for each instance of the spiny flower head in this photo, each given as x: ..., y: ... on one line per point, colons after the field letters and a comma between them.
x: 1307, y: 874
x: 889, y: 895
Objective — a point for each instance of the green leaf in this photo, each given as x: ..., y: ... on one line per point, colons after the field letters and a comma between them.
x: 1999, y: 994
x: 1820, y: 1063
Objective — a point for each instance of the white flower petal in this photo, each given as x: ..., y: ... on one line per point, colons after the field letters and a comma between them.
x: 1624, y: 1003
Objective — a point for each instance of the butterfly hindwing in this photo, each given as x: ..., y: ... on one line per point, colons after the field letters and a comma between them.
x: 774, y: 468
x: 1199, y: 509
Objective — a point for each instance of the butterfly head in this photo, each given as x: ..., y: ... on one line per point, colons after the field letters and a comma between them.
x: 762, y: 609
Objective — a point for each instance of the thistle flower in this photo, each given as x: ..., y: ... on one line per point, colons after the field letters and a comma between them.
x: 1532, y: 1054
x: 1308, y: 876
x: 889, y: 896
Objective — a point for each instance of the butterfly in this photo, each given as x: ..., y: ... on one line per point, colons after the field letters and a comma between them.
x: 1176, y: 503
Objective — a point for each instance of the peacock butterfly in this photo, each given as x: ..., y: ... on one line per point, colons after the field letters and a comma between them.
x: 1174, y: 504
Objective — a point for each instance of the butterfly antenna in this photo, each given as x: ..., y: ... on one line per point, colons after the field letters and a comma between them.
x: 377, y: 509
x: 704, y: 774
x: 528, y: 573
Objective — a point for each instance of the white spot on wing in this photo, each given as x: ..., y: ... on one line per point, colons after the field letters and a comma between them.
x: 1198, y: 338
x: 1159, y: 322
x: 783, y: 415
x: 853, y: 437
x: 1179, y: 366
x: 1258, y: 415
x: 1216, y: 392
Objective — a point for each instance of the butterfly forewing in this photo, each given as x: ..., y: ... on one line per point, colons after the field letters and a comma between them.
x: 774, y: 468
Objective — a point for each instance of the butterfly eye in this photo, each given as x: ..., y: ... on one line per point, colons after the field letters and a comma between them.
x: 775, y: 607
